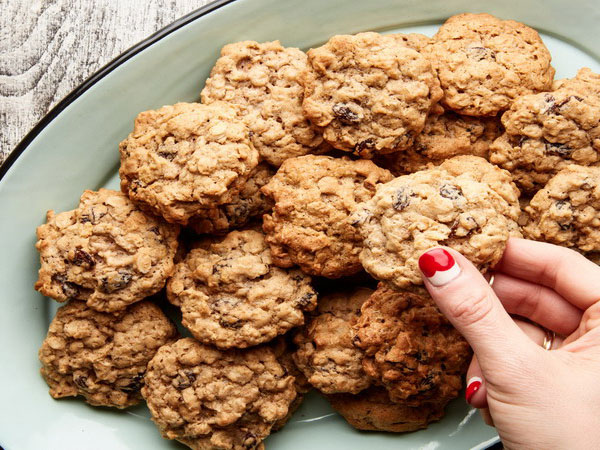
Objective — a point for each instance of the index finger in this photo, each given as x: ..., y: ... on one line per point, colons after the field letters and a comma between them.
x: 565, y: 271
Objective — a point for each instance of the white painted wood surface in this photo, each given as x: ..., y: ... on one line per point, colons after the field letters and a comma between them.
x: 48, y: 47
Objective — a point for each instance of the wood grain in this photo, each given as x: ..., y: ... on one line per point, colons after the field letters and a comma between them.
x: 47, y: 48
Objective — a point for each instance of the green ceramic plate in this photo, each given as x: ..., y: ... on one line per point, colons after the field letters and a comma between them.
x: 75, y: 147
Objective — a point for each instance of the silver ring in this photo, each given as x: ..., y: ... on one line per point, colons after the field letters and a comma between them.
x: 491, y: 281
x: 548, y: 340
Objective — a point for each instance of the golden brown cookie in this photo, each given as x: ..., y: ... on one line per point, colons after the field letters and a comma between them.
x: 444, y: 136
x: 547, y: 132
x: 244, y: 206
x: 369, y: 93
x: 314, y: 197
x: 410, y: 347
x: 466, y: 203
x: 231, y: 295
x: 372, y: 410
x: 185, y: 158
x: 212, y: 399
x: 325, y: 352
x: 106, y: 252
x: 102, y: 356
x: 567, y: 211
x: 484, y: 63
x: 265, y: 80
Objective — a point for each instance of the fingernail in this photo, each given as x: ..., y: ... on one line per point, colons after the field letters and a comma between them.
x: 472, y: 386
x: 438, y: 266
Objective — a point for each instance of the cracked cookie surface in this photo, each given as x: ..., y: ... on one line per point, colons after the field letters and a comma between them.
x: 210, y: 399
x: 484, y: 63
x: 231, y: 295
x: 369, y: 93
x: 325, y: 352
x: 185, y: 158
x: 567, y: 210
x: 102, y: 356
x: 547, y: 132
x: 106, y: 252
x: 314, y: 197
x: 410, y: 347
x: 265, y: 81
x: 465, y: 203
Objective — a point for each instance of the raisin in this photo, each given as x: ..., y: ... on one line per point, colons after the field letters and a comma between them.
x: 402, y: 199
x: 135, y: 384
x: 155, y: 230
x: 123, y: 279
x: 185, y: 380
x: 562, y: 150
x: 344, y: 113
x: 167, y: 155
x: 481, y: 53
x: 366, y: 144
x: 71, y: 290
x: 562, y: 204
x: 234, y: 324
x: 565, y: 226
x: 451, y: 192
x: 81, y: 381
x: 84, y: 259
x: 305, y: 300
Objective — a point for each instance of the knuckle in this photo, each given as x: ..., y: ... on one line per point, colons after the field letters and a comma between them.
x: 472, y: 308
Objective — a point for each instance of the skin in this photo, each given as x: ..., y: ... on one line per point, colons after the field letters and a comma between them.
x: 535, y: 398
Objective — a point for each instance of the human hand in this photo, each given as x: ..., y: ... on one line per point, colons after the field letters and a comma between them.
x: 536, y: 398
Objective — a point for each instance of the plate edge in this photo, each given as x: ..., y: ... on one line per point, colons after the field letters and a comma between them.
x: 101, y: 73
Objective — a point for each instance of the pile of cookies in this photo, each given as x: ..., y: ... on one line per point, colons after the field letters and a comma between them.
x: 284, y: 214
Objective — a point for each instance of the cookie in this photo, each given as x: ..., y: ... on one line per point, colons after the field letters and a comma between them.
x: 244, y: 206
x: 485, y: 63
x: 102, y: 356
x: 283, y: 352
x: 410, y: 347
x: 231, y: 295
x: 466, y: 204
x: 372, y: 410
x: 547, y: 132
x: 567, y: 211
x: 368, y: 93
x: 325, y: 352
x: 212, y: 399
x: 183, y: 159
x: 444, y: 136
x: 314, y: 197
x: 106, y: 252
x: 265, y: 80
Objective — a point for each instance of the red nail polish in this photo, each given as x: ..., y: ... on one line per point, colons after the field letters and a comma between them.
x: 438, y: 266
x: 472, y: 386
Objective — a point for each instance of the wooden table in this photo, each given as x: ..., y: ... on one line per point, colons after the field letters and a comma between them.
x: 48, y: 47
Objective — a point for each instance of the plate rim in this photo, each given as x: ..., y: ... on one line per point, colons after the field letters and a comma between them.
x: 102, y: 72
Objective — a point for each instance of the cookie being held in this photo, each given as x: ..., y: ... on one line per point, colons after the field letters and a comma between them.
x: 212, y: 399
x: 266, y: 81
x: 325, y: 352
x: 567, y: 210
x: 485, y: 63
x: 410, y: 347
x: 314, y: 198
x: 372, y: 410
x: 106, y: 252
x: 102, y: 356
x: 183, y: 159
x: 547, y: 132
x: 466, y: 204
x: 231, y: 295
x: 369, y: 93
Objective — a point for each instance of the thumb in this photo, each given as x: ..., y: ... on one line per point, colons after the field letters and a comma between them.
x: 467, y: 300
